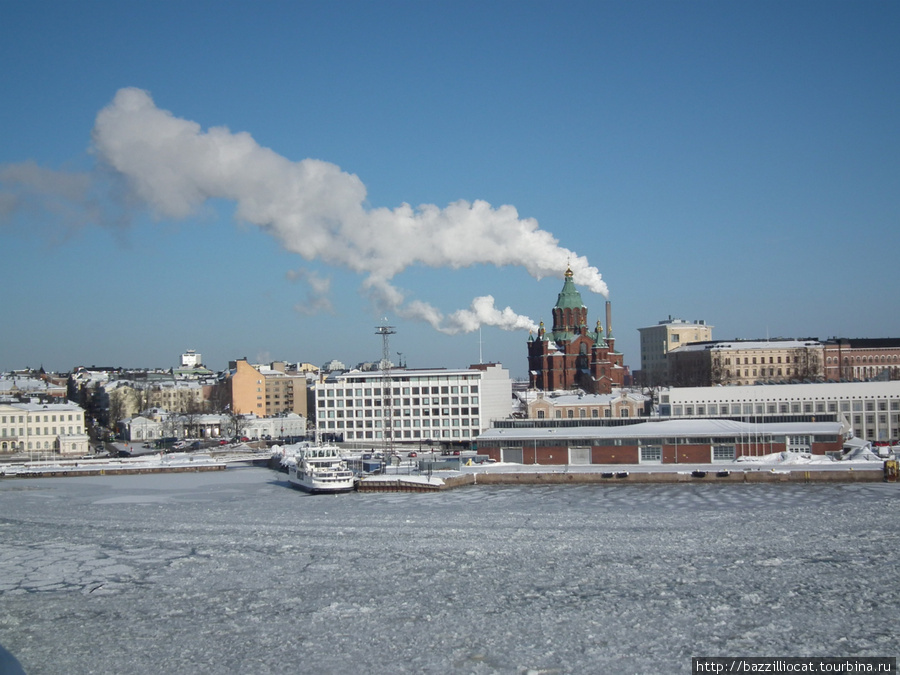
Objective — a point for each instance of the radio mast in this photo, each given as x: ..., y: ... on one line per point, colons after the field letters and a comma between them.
x: 387, y: 407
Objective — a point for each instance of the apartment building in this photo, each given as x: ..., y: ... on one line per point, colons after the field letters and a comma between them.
x: 267, y: 390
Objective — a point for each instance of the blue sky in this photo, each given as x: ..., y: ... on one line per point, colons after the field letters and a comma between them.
x: 734, y: 162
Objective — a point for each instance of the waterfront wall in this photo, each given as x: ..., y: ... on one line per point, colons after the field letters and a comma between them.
x: 715, y: 476
x: 110, y: 471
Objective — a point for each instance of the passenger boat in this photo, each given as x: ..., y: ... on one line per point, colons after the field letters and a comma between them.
x: 320, y: 469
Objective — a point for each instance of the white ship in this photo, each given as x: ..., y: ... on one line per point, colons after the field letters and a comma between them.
x: 320, y: 469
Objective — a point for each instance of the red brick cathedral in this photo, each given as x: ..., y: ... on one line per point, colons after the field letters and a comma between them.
x: 571, y: 356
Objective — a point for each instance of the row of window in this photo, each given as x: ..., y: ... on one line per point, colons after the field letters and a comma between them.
x: 12, y: 419
x: 583, y: 413
x: 399, y: 412
x: 377, y: 403
x: 865, y: 359
x: 398, y: 423
x: 771, y: 408
x: 32, y: 445
x: 401, y: 391
x: 772, y: 372
x: 408, y: 434
x: 762, y: 359
x: 36, y: 431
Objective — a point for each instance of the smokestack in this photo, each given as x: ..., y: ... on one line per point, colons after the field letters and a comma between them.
x: 608, y: 319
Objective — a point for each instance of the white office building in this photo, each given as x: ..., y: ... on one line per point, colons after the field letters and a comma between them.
x: 413, y: 405
x: 870, y: 409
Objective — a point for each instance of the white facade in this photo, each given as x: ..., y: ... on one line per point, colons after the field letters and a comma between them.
x: 211, y: 426
x: 191, y: 359
x: 43, y: 427
x: 429, y: 404
x: 870, y: 409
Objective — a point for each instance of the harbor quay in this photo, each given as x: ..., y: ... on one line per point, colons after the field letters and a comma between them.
x: 509, y: 474
x: 427, y: 476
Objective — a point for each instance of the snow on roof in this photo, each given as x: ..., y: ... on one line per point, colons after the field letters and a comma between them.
x: 52, y: 407
x: 743, y: 345
x: 591, y: 399
x: 666, y: 428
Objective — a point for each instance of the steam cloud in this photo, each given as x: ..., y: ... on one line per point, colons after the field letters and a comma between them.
x: 311, y: 207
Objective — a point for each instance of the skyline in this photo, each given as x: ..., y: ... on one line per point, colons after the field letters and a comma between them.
x: 341, y: 165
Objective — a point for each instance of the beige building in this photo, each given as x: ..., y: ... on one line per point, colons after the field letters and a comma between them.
x: 657, y: 341
x: 742, y: 362
x: 267, y: 390
x: 48, y: 428
x: 127, y: 398
x: 557, y: 406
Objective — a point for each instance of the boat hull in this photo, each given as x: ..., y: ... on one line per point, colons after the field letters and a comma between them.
x: 321, y: 489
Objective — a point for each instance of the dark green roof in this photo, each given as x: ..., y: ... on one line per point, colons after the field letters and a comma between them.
x: 569, y: 297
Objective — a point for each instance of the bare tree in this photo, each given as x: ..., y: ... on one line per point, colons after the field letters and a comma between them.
x: 220, y: 398
x: 191, y: 414
x: 237, y: 423
x: 118, y: 407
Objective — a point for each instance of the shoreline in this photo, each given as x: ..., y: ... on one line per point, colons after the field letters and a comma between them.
x: 505, y: 474
x: 626, y: 475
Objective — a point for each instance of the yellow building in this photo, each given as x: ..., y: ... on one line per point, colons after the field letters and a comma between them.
x: 742, y: 362
x: 46, y: 427
x: 572, y: 406
x: 266, y: 390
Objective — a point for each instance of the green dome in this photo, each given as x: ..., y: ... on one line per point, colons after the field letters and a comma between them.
x: 569, y: 297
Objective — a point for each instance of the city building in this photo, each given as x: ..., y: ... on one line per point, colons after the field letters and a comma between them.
x: 413, y: 405
x: 43, y: 427
x: 657, y: 341
x: 871, y: 410
x: 267, y: 390
x: 656, y: 442
x: 580, y: 406
x: 155, y: 427
x: 32, y: 384
x: 191, y: 359
x: 862, y: 358
x: 571, y: 356
x: 742, y: 362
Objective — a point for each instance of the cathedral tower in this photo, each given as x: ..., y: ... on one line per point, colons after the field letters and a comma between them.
x: 571, y: 356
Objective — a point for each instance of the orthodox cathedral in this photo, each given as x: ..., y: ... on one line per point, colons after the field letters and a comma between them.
x: 571, y: 356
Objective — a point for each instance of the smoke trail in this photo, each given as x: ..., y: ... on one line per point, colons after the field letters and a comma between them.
x: 318, y: 211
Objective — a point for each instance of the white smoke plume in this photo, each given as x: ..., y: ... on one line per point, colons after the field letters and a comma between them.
x: 319, y: 211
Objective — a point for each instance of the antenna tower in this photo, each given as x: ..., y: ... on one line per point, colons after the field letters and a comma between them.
x: 385, y: 332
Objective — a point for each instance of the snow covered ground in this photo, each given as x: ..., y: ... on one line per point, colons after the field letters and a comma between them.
x: 234, y: 571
